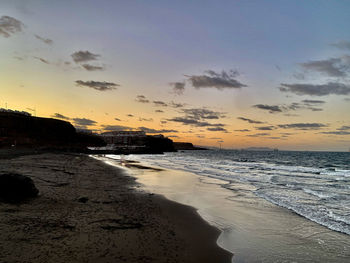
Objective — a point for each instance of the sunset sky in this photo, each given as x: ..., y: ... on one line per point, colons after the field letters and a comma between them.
x: 235, y: 73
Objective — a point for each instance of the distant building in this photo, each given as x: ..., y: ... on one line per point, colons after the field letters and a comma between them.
x: 122, y: 137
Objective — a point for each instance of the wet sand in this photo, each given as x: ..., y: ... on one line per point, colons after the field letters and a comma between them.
x: 88, y: 211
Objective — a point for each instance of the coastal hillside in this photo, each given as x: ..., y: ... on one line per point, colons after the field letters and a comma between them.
x: 23, y: 130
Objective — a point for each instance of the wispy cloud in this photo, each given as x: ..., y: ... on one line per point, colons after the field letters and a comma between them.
x: 84, y: 56
x: 203, y: 113
x: 337, y: 132
x: 212, y: 79
x: 342, y: 44
x: 333, y: 67
x: 42, y: 60
x: 60, y: 116
x: 194, y: 122
x: 258, y: 134
x: 142, y: 99
x: 344, y: 128
x: 97, y: 85
x: 176, y: 105
x: 160, y: 103
x: 150, y: 130
x: 249, y: 120
x: 243, y: 130
x: 178, y: 87
x: 265, y: 128
x: 115, y: 128
x: 269, y: 108
x: 145, y: 119
x: 44, y: 40
x: 89, y: 67
x: 217, y: 129
x: 10, y: 26
x: 303, y: 126
x: 84, y: 122
x: 335, y: 88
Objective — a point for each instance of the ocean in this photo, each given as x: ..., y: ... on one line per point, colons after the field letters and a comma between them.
x: 282, y: 206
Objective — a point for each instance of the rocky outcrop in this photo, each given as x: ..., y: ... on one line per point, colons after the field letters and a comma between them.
x: 16, y: 188
x: 186, y: 146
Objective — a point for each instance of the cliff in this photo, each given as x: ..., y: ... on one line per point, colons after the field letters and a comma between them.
x: 22, y: 130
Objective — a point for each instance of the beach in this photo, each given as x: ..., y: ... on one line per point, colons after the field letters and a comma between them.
x: 88, y: 211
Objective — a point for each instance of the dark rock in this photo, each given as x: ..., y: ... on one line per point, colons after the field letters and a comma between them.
x: 15, y: 188
x: 186, y: 146
x: 83, y: 199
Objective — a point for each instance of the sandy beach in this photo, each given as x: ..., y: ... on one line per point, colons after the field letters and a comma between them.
x: 88, y: 211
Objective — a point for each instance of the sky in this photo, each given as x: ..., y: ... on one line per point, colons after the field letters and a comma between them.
x: 233, y: 74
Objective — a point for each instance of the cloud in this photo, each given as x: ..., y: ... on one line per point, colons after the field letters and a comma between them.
x: 160, y: 103
x: 344, y: 128
x: 178, y: 87
x: 45, y: 40
x: 194, y: 122
x: 265, y: 128
x: 42, y: 60
x: 249, y: 120
x: 333, y: 67
x: 84, y: 56
x: 305, y: 104
x: 337, y: 132
x: 84, y: 121
x: 216, y: 129
x: 316, y: 90
x: 89, y: 67
x: 270, y: 108
x: 117, y: 119
x: 342, y: 44
x: 198, y: 117
x: 60, y: 116
x: 159, y: 111
x: 115, y: 128
x: 203, y: 113
x: 142, y: 99
x: 220, y: 81
x: 303, y: 126
x: 97, y: 85
x: 313, y: 102
x: 258, y: 134
x: 130, y: 115
x: 243, y: 130
x: 9, y: 26
x: 150, y: 130
x: 176, y: 105
x: 145, y: 119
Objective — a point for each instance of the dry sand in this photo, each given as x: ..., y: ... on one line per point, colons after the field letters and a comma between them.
x: 88, y: 211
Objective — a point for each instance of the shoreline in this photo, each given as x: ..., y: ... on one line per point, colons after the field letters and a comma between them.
x: 254, y: 229
x: 88, y: 211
